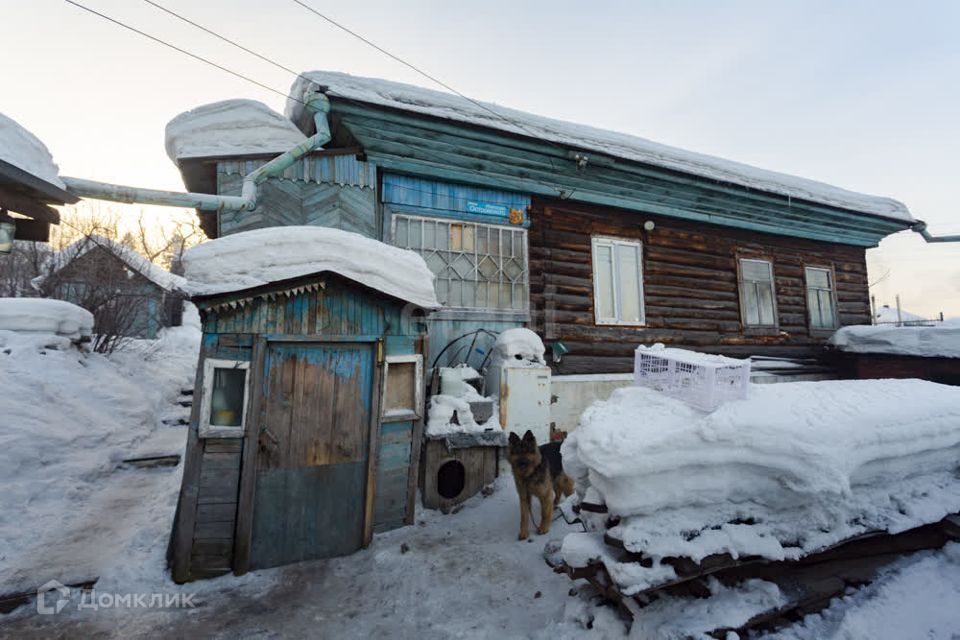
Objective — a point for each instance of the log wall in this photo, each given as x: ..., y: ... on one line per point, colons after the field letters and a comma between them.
x: 691, y: 295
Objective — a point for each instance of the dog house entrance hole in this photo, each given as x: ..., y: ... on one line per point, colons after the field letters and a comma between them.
x: 451, y: 479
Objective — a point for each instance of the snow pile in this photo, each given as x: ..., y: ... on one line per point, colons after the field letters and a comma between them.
x: 941, y: 340
x: 517, y: 347
x: 24, y: 150
x: 230, y: 128
x: 136, y: 262
x: 263, y: 256
x: 69, y: 419
x: 886, y: 315
x: 45, y: 316
x: 454, y: 400
x: 786, y: 472
x: 451, y: 107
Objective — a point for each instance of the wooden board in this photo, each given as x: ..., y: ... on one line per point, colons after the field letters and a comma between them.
x: 311, y: 481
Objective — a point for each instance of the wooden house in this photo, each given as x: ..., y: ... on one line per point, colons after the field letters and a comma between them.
x: 598, y: 241
x: 137, y: 297
x: 307, y: 422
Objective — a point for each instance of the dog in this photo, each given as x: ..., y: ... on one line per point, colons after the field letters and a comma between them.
x: 537, y: 471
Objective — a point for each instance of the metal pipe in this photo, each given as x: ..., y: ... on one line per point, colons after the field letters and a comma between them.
x: 246, y: 201
x: 921, y: 228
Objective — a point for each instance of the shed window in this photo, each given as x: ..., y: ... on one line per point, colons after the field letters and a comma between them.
x: 476, y: 265
x: 820, y: 298
x: 224, y: 403
x: 617, y: 281
x: 403, y: 388
x: 757, y: 293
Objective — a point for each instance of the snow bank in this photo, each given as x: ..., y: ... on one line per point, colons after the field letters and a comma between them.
x: 262, y: 256
x: 136, y: 262
x: 451, y: 107
x: 230, y: 128
x: 790, y: 470
x: 519, y: 344
x: 941, y: 340
x: 24, y: 150
x: 45, y: 316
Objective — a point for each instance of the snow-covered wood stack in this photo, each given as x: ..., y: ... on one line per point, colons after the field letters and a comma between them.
x: 808, y: 486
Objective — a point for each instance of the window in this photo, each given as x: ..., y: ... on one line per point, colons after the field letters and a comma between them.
x: 757, y: 300
x: 820, y: 298
x: 403, y: 388
x: 617, y: 281
x: 223, y: 406
x: 476, y: 265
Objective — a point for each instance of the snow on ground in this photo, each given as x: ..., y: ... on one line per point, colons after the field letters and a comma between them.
x: 791, y: 469
x: 940, y: 340
x: 255, y: 258
x: 451, y: 107
x: 24, y: 150
x: 68, y: 509
x: 230, y: 128
x: 45, y: 318
x: 916, y: 597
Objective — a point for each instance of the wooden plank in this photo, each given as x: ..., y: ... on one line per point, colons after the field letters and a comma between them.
x: 223, y: 512
x: 374, y: 435
x: 248, y: 469
x: 186, y: 513
x: 416, y: 440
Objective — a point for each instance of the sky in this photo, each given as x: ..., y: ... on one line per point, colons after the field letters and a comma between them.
x: 862, y: 95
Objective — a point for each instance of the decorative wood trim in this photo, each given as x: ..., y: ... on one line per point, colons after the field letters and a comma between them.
x: 243, y: 533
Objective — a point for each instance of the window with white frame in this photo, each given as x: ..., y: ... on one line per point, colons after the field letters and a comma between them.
x: 402, y: 388
x: 617, y: 281
x: 223, y: 406
x: 820, y: 304
x: 476, y: 265
x: 757, y: 296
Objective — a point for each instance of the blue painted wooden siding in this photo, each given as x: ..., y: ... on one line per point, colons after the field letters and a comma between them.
x: 432, y: 197
x: 325, y: 191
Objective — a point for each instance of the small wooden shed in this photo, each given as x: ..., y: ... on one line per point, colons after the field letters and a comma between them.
x: 307, y: 420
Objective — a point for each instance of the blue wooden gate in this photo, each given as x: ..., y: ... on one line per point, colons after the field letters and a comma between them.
x: 314, y: 451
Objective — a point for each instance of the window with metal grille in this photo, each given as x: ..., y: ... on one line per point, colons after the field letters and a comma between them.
x: 820, y: 298
x: 476, y: 265
x: 757, y: 297
x: 617, y: 281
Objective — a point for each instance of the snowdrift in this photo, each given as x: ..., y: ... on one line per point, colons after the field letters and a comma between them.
x: 262, y: 256
x: 789, y: 471
x: 937, y: 341
x: 45, y: 316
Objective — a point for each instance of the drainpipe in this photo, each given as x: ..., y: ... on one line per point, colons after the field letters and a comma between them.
x: 921, y: 228
x: 246, y: 201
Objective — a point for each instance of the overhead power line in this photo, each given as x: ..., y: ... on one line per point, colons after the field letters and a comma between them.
x: 182, y: 50
x: 221, y: 37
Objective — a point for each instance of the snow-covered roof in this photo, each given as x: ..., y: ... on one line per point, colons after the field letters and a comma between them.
x: 619, y: 145
x: 24, y: 150
x: 937, y: 341
x: 43, y: 315
x: 887, y: 314
x: 230, y: 128
x: 136, y: 262
x: 263, y: 256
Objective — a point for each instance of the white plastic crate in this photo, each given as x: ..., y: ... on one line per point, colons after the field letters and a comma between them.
x: 702, y: 380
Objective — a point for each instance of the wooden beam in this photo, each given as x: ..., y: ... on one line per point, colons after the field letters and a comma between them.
x: 242, y: 537
x: 373, y: 452
x: 28, y: 207
x: 32, y: 230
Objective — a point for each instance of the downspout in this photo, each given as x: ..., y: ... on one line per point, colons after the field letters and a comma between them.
x: 318, y: 103
x: 921, y: 228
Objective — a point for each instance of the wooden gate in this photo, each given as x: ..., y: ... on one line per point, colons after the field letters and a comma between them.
x: 313, y: 480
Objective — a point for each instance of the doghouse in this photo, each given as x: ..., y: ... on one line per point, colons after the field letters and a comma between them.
x: 307, y: 418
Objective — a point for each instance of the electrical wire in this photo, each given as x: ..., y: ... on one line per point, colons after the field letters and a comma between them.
x: 222, y: 37
x: 181, y: 50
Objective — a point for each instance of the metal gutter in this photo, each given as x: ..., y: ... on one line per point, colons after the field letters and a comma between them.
x: 921, y: 228
x: 246, y: 201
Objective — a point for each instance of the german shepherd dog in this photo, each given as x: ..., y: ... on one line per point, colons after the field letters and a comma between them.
x: 538, y: 471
